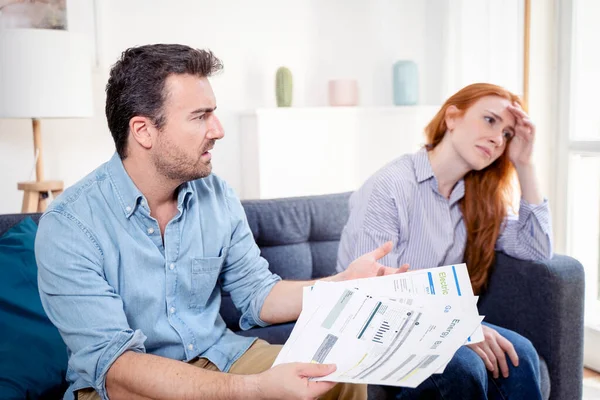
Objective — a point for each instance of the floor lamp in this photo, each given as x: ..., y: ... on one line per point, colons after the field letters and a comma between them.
x: 43, y: 74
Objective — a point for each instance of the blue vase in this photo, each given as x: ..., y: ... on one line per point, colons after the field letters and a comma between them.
x: 406, y: 83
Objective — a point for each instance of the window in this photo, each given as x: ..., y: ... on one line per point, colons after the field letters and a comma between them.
x: 578, y: 154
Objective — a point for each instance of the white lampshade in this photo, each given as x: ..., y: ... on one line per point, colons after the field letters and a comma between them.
x: 44, y: 74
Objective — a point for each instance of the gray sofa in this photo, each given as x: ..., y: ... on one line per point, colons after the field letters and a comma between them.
x: 542, y: 301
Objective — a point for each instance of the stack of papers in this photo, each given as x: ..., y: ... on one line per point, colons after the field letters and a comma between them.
x: 391, y: 330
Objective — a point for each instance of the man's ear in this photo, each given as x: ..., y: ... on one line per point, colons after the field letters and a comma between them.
x: 451, y: 117
x: 141, y: 130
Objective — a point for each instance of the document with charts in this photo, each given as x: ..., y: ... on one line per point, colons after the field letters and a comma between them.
x: 445, y: 283
x: 378, y: 337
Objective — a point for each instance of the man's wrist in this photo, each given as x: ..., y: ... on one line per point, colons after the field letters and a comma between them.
x: 339, y: 277
x: 248, y: 387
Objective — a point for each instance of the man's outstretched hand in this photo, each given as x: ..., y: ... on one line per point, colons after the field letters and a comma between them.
x: 367, y: 265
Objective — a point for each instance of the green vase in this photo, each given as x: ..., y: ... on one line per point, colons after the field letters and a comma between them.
x: 283, y: 87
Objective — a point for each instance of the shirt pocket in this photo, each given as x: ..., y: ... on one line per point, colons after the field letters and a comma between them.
x: 205, y: 273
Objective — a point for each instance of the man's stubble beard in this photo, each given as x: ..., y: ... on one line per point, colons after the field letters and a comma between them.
x: 175, y: 165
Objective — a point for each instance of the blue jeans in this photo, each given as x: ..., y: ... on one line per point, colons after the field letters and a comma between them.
x: 466, y: 376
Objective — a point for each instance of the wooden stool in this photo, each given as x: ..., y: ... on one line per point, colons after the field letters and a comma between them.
x: 36, y: 194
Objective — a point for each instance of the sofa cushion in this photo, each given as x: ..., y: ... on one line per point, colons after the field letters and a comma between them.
x: 34, y: 357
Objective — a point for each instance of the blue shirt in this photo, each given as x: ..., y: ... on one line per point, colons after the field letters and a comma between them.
x: 110, y: 284
x: 402, y: 203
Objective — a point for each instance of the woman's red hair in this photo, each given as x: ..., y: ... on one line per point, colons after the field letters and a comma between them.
x: 488, y: 192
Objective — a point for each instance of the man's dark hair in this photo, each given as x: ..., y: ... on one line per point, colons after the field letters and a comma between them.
x: 136, y: 85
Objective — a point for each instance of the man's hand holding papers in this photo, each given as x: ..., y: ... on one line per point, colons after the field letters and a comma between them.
x: 300, y: 386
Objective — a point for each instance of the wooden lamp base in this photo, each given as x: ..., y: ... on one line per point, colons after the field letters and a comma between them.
x: 36, y: 194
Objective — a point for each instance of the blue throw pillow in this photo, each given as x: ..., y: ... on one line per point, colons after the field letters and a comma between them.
x: 33, y: 357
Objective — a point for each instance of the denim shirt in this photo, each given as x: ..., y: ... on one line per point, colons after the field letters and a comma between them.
x: 110, y: 283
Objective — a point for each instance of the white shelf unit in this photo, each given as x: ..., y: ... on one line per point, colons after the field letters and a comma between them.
x: 310, y: 151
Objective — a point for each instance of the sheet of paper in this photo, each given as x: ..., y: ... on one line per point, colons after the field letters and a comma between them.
x: 446, y: 303
x: 442, y: 282
x: 373, y: 339
x: 448, y: 280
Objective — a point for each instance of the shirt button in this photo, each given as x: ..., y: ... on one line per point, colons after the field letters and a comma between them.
x: 172, y: 266
x: 127, y: 208
x: 150, y: 231
x: 191, y: 346
x: 172, y: 310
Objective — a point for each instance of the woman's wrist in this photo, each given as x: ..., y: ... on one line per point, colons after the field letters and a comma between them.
x: 529, y: 186
x: 524, y: 167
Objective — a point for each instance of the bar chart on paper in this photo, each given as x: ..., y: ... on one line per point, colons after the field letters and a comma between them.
x: 381, y: 331
x: 382, y: 324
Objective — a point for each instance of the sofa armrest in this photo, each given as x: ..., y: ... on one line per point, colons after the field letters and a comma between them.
x: 542, y: 301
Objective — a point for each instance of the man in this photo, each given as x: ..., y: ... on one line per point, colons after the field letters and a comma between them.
x: 132, y: 259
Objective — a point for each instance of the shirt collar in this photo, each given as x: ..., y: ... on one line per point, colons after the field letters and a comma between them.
x: 458, y: 192
x: 423, y: 172
x: 184, y: 193
x: 130, y: 196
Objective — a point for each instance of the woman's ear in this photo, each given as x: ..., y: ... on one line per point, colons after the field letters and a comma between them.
x: 452, y: 114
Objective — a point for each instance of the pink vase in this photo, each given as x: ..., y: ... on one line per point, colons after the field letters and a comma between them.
x: 343, y: 92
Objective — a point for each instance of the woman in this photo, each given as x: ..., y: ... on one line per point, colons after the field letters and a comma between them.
x: 448, y: 203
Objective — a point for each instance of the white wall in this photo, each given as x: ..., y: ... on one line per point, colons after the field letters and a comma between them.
x: 484, y: 44
x: 318, y: 40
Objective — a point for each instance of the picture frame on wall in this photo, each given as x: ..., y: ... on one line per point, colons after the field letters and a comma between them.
x: 33, y: 14
x: 79, y: 16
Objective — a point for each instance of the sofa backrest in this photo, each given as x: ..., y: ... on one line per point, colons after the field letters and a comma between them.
x: 299, y: 236
x: 7, y: 221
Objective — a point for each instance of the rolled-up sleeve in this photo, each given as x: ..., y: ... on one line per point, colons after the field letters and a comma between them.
x: 245, y: 274
x: 528, y: 236
x: 79, y: 301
